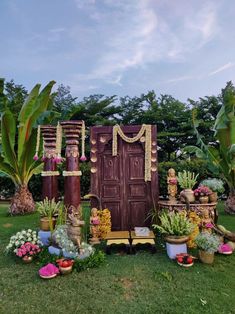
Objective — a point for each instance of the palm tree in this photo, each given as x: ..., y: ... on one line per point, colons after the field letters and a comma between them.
x: 18, y: 144
x: 221, y: 159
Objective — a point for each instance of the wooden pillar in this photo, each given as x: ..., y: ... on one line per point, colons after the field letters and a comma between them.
x: 49, y: 182
x: 72, y: 197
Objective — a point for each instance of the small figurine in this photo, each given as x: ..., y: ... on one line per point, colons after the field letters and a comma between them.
x: 172, y: 185
x: 74, y: 226
x: 94, y: 226
x: 206, y: 222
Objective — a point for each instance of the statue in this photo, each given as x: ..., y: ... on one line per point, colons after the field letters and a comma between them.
x: 206, y: 222
x: 74, y: 226
x: 94, y: 226
x: 172, y: 185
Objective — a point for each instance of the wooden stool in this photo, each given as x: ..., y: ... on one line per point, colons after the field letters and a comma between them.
x: 150, y: 239
x: 117, y: 237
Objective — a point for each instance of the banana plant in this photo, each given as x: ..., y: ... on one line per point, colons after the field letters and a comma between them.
x: 221, y: 159
x: 18, y: 142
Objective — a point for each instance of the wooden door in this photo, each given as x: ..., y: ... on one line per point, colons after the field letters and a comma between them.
x: 119, y: 180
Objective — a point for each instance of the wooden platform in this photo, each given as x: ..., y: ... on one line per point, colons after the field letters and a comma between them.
x: 150, y: 239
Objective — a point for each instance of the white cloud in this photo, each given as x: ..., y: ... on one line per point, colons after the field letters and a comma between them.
x: 179, y: 79
x: 222, y: 68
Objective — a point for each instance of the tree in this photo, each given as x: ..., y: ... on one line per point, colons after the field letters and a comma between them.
x: 19, y: 142
x: 221, y: 159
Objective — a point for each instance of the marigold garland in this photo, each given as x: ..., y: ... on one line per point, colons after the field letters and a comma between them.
x: 83, y: 157
x: 145, y: 129
x: 105, y: 222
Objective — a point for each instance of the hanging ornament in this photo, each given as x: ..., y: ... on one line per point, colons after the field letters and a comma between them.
x: 83, y: 157
x: 35, y: 157
x: 145, y: 129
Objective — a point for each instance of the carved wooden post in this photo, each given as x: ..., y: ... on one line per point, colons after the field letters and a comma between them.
x: 49, y: 174
x: 72, y: 198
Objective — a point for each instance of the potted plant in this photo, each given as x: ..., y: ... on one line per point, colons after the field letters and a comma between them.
x: 187, y: 180
x: 176, y: 227
x: 48, y: 209
x: 203, y: 193
x: 216, y: 186
x: 207, y: 244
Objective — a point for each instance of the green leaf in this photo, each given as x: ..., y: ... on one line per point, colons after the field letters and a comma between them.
x: 8, y: 170
x: 28, y: 105
x: 8, y: 138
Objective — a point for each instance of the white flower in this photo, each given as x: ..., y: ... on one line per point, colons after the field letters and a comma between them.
x: 29, y: 239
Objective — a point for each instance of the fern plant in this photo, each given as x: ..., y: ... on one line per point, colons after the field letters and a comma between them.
x: 48, y: 208
x: 187, y: 179
x: 176, y: 224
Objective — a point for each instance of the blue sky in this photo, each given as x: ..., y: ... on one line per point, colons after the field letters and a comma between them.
x: 185, y: 48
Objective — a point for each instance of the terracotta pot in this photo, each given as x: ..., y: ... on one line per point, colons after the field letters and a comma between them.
x: 45, y: 223
x: 204, y: 199
x: 27, y: 259
x: 66, y: 270
x: 205, y: 257
x: 176, y: 239
x: 213, y: 197
x: 189, y: 194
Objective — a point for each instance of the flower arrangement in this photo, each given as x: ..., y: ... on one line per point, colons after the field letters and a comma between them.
x: 187, y: 179
x: 28, y: 249
x: 202, y: 191
x: 86, y: 249
x: 207, y: 242
x: 176, y: 224
x: 61, y: 238
x: 216, y: 185
x: 18, y: 242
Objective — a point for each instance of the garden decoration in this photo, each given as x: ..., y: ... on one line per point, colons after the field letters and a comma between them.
x: 48, y: 271
x: 94, y: 226
x: 16, y: 159
x: 65, y: 265
x: 187, y: 180
x: 172, y: 185
x: 100, y: 220
x: 207, y: 224
x: 207, y: 244
x: 74, y: 226
x: 176, y: 227
x: 72, y: 130
x: 196, y: 220
x: 24, y: 244
x: 202, y: 193
x: 143, y: 135
x: 121, y: 177
x: 185, y: 260
x: 216, y: 186
x: 48, y: 210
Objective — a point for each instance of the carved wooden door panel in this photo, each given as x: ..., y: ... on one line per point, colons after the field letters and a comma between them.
x: 119, y: 180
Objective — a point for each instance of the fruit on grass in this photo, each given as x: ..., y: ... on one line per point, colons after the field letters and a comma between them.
x: 180, y: 259
x: 189, y: 260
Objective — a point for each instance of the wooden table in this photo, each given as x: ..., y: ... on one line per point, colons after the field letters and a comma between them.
x: 118, y: 237
x: 150, y: 239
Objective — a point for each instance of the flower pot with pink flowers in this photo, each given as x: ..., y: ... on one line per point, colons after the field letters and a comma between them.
x: 202, y: 193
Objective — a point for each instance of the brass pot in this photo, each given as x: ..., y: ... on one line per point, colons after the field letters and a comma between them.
x: 213, y: 197
x: 45, y: 223
x: 205, y: 257
x: 176, y: 239
x: 204, y: 199
x: 27, y: 259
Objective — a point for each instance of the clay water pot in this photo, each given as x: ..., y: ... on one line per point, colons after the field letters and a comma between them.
x: 45, y: 223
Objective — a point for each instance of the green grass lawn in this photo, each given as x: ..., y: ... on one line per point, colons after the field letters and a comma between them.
x: 141, y: 283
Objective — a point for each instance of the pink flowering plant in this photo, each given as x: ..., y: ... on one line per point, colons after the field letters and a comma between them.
x: 28, y: 249
x: 25, y: 242
x: 202, y: 191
